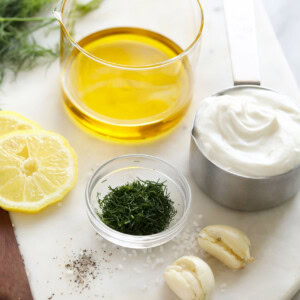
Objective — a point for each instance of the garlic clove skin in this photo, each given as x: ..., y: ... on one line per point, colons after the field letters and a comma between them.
x: 228, y: 244
x: 190, y: 278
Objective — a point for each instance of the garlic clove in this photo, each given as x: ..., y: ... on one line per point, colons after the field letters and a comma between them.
x: 193, y: 282
x: 178, y: 284
x: 190, y: 278
x: 228, y: 244
x: 229, y: 259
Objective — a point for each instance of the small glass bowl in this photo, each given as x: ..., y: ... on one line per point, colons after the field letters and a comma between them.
x: 127, y: 168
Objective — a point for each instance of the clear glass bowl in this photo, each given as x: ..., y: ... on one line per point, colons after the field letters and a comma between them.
x: 123, y: 169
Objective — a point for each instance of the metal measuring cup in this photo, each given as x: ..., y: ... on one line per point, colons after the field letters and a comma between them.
x: 236, y: 191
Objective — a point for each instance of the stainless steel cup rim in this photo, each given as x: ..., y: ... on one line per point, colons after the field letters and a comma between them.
x: 254, y: 178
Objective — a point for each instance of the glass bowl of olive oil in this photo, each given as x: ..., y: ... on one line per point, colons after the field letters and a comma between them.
x: 127, y: 68
x: 122, y: 172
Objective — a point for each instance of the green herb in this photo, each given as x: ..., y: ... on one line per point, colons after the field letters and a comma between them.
x: 83, y: 9
x: 137, y: 208
x: 18, y: 21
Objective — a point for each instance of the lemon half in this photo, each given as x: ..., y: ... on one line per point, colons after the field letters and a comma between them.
x: 12, y: 121
x: 37, y: 168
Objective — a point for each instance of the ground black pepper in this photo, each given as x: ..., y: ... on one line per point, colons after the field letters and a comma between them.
x: 83, y: 268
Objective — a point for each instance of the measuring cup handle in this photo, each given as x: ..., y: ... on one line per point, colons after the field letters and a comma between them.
x: 241, y: 31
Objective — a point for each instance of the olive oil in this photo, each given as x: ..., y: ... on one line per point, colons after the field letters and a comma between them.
x: 120, y: 87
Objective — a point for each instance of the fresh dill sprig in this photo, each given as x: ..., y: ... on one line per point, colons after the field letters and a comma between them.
x: 83, y: 9
x: 18, y: 21
x: 137, y: 208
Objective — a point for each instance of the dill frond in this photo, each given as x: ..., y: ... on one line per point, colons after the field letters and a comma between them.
x: 18, y: 21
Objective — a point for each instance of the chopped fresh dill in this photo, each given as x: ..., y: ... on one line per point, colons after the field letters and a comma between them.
x: 18, y: 21
x: 137, y: 208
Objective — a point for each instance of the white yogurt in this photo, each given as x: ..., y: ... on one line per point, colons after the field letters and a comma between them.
x: 250, y: 132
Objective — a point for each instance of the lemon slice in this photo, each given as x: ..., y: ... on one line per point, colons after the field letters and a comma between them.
x: 37, y: 168
x: 11, y: 121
